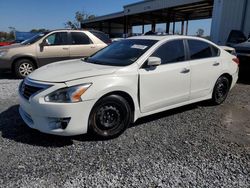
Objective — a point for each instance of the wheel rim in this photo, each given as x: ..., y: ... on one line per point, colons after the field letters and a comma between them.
x: 25, y: 69
x: 221, y: 90
x: 109, y: 118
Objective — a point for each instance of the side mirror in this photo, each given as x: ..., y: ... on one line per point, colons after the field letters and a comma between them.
x: 154, y: 61
x: 44, y: 43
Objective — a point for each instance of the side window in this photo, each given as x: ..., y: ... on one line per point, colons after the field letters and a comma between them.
x: 57, y: 39
x: 79, y: 38
x: 171, y: 52
x: 199, y: 49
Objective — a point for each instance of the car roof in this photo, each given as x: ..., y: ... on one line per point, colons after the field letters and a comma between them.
x: 74, y: 30
x: 163, y: 37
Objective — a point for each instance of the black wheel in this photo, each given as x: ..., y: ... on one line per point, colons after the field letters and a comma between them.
x: 23, y: 68
x: 221, y: 90
x: 110, y: 116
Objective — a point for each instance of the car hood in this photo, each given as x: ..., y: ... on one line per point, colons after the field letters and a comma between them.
x: 68, y: 70
x: 243, y: 46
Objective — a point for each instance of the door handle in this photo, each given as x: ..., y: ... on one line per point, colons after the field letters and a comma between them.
x: 216, y: 64
x: 65, y: 48
x: 92, y: 47
x: 185, y: 70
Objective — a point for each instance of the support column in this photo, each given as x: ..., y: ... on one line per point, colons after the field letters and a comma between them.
x: 167, y: 27
x: 143, y: 26
x: 174, y: 27
x: 125, y: 26
x: 182, y: 27
x: 109, y: 28
x: 100, y: 26
x: 187, y: 27
x: 153, y: 26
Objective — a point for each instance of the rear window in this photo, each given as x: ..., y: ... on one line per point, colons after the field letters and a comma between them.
x: 79, y: 38
x: 102, y: 36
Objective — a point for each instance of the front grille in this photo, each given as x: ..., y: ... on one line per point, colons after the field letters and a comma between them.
x: 27, y: 88
x: 30, y: 90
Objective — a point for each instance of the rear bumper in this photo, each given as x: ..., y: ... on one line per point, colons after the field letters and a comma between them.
x: 235, y: 77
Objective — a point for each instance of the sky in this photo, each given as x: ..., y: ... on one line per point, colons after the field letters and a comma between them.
x: 25, y: 15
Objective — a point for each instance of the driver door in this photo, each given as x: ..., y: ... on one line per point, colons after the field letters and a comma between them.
x: 167, y: 84
x: 54, y: 48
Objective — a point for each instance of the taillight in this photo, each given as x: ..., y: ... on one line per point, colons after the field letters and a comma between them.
x: 236, y: 60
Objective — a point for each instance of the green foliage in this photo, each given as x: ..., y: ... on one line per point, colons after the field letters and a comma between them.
x: 200, y: 32
x: 79, y: 18
x: 6, y: 36
x: 38, y: 30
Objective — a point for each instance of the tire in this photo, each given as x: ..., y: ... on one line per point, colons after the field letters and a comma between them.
x: 110, y: 117
x: 221, y: 89
x: 23, y: 68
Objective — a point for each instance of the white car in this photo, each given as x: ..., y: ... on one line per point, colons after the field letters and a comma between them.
x: 127, y: 80
x: 229, y: 50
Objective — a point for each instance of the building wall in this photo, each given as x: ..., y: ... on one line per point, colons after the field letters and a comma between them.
x: 247, y: 20
x: 229, y: 15
x: 116, y: 30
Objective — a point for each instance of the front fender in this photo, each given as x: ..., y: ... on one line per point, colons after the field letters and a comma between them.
x: 103, y: 85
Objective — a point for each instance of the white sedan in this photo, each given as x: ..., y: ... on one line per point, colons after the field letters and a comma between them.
x: 127, y: 80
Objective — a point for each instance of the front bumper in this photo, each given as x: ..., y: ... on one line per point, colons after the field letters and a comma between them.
x: 5, y: 64
x: 46, y: 117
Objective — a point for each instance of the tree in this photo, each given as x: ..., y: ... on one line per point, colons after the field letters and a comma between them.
x: 12, y: 32
x: 79, y: 18
x: 38, y: 30
x: 200, y: 32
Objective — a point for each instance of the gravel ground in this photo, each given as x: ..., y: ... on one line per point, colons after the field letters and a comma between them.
x: 192, y: 146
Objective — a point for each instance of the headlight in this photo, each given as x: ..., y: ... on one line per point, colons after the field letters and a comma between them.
x: 68, y: 95
x: 3, y: 52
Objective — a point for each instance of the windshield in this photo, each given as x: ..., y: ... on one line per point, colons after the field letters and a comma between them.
x: 34, y: 38
x: 122, y: 53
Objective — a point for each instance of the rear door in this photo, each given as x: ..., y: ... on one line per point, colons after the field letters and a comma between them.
x: 206, y: 67
x: 56, y: 48
x: 167, y: 84
x: 81, y: 45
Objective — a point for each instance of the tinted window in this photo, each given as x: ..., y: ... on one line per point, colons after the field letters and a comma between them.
x: 170, y: 52
x: 79, y: 38
x: 121, y: 53
x: 199, y: 49
x: 58, y: 38
x: 102, y: 36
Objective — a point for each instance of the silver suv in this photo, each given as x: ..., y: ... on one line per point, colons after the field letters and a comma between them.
x: 48, y: 47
